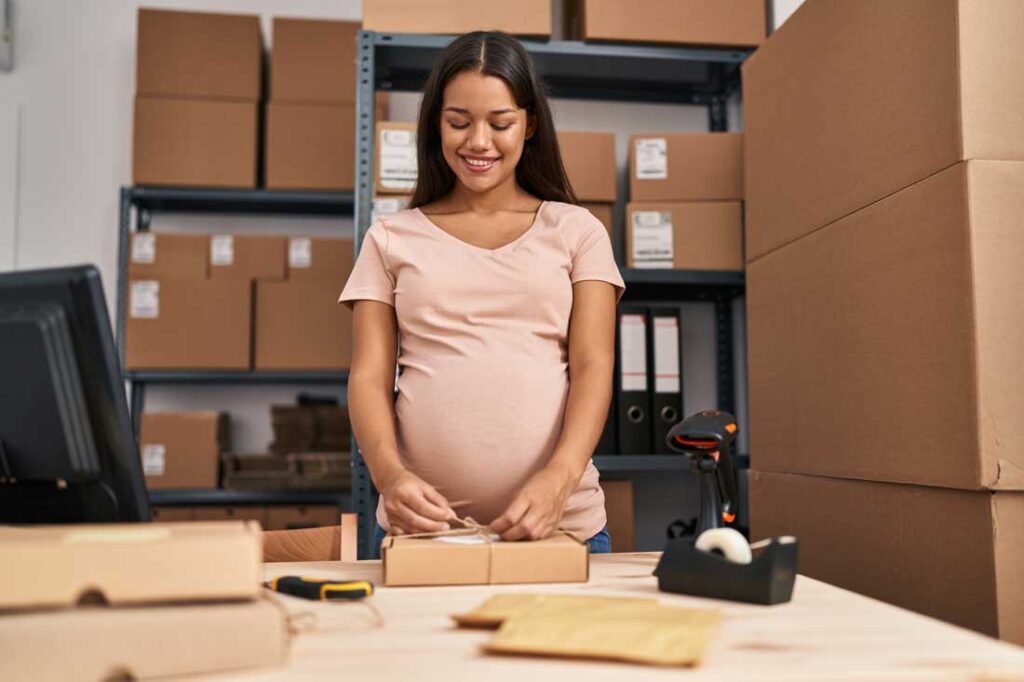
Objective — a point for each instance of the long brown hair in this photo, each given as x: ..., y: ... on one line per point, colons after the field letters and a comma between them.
x: 492, y: 53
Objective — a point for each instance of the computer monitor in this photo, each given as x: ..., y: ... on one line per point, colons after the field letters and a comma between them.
x: 67, y: 450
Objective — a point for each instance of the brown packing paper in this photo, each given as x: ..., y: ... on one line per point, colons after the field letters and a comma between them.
x: 501, y: 607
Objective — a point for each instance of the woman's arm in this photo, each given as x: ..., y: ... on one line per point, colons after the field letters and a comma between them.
x: 536, y: 510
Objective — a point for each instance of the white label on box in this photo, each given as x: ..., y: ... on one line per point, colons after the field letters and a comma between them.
x: 398, y: 159
x: 222, y: 249
x: 666, y: 355
x: 144, y: 300
x: 153, y: 457
x: 633, y: 347
x: 383, y: 206
x: 468, y: 539
x: 652, y: 239
x: 143, y: 247
x: 300, y: 252
x: 652, y: 158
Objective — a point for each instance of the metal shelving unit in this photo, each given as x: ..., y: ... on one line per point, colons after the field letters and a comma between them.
x: 240, y: 498
x: 572, y: 69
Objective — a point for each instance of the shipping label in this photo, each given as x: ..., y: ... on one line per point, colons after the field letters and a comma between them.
x: 398, y: 159
x: 652, y: 239
x: 652, y: 158
x: 144, y: 300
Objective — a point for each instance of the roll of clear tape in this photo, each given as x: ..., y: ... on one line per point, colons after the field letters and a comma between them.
x: 728, y: 542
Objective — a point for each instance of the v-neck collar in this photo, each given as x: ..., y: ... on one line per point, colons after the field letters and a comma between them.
x: 504, y: 247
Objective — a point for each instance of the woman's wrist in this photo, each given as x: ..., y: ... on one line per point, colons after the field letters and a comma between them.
x: 565, y: 472
x: 387, y: 473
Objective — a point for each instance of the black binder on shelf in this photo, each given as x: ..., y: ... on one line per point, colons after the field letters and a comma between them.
x: 666, y: 376
x: 634, y: 398
x: 609, y: 442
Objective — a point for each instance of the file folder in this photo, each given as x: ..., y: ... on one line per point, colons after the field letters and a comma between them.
x: 634, y: 399
x: 666, y: 375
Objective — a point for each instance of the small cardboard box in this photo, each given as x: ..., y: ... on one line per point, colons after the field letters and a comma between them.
x: 162, y: 254
x: 299, y: 325
x: 469, y: 560
x: 397, y: 165
x: 247, y: 256
x: 526, y: 17
x: 691, y: 235
x: 320, y: 258
x: 199, y: 142
x: 686, y: 167
x: 175, y: 323
x: 143, y: 643
x: 733, y: 23
x: 602, y: 212
x: 589, y: 160
x: 182, y: 449
x: 123, y: 564
x: 198, y: 54
x: 313, y: 61
x: 292, y: 517
x: 310, y: 146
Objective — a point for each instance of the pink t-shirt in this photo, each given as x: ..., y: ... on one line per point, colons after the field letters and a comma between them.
x: 483, y: 359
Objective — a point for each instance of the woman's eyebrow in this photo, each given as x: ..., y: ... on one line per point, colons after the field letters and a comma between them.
x: 459, y: 110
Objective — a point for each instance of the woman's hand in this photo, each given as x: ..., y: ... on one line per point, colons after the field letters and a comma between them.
x: 413, y: 505
x: 535, y: 512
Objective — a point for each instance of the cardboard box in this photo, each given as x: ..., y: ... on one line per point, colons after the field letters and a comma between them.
x: 886, y: 346
x: 319, y: 258
x: 589, y: 160
x: 951, y: 554
x: 830, y: 131
x: 602, y: 212
x: 198, y: 54
x: 254, y: 512
x: 312, y: 516
x: 162, y: 254
x: 247, y: 256
x: 527, y: 17
x: 735, y: 23
x: 694, y: 235
x: 299, y: 325
x: 310, y: 146
x: 172, y: 514
x: 313, y: 61
x: 208, y: 143
x: 47, y: 566
x: 686, y: 167
x: 143, y: 643
x: 618, y: 504
x: 396, y: 167
x: 468, y: 560
x: 175, y: 323
x: 182, y: 449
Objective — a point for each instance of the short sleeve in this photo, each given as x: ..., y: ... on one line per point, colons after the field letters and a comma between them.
x: 371, y: 277
x: 592, y: 259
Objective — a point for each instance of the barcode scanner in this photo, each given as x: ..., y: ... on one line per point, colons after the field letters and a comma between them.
x: 706, y: 437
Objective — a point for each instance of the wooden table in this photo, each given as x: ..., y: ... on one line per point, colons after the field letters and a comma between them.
x: 824, y: 633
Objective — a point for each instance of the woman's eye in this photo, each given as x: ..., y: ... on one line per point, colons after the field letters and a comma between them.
x: 458, y: 126
x: 504, y: 127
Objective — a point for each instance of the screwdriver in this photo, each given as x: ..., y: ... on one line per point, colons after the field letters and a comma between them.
x: 320, y: 589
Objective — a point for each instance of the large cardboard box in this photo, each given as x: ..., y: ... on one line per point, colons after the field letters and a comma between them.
x: 204, y: 142
x: 286, y: 517
x: 589, y: 160
x: 313, y: 60
x: 618, y: 504
x: 526, y: 17
x: 176, y: 323
x: 163, y: 254
x: 828, y: 131
x: 397, y: 166
x: 299, y: 325
x: 735, y: 23
x: 198, y: 54
x: 691, y: 235
x: 247, y: 256
x: 686, y: 166
x: 320, y: 258
x: 182, y: 449
x: 951, y: 554
x: 886, y: 346
x: 310, y: 146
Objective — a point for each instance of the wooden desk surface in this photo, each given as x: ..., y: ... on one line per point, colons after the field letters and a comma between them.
x: 824, y: 633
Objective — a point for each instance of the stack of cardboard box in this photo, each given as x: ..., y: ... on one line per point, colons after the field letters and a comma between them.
x: 526, y: 17
x: 589, y: 160
x: 733, y: 23
x: 182, y: 449
x: 885, y: 301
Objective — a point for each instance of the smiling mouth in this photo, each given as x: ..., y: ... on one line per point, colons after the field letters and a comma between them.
x: 478, y: 164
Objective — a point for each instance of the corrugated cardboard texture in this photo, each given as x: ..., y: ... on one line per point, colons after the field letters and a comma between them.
x: 330, y: 258
x: 589, y: 160
x: 700, y: 166
x: 602, y: 212
x: 830, y: 131
x: 192, y: 443
x: 209, y: 143
x: 175, y: 255
x: 142, y: 643
x: 941, y: 552
x: 299, y: 325
x: 310, y: 146
x: 701, y: 22
x: 526, y: 17
x: 313, y: 61
x: 198, y: 54
x: 618, y: 503
x: 253, y: 257
x: 202, y: 324
x: 292, y: 517
x: 707, y: 235
x: 886, y: 346
x: 130, y: 563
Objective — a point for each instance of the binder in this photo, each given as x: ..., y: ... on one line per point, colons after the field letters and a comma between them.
x: 609, y: 441
x: 634, y: 398
x: 666, y: 380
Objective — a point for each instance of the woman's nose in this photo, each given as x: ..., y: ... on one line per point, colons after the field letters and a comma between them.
x: 480, y: 139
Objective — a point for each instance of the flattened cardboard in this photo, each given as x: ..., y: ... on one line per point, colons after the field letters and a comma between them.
x: 897, y: 330
x: 51, y: 566
x: 950, y: 554
x: 142, y: 643
x: 173, y: 255
x: 329, y: 258
x: 618, y: 504
x: 707, y: 235
x: 300, y: 326
x: 560, y: 558
x: 253, y: 257
x: 313, y: 61
x: 602, y: 212
x: 698, y: 167
x: 499, y: 608
x: 310, y: 146
x: 526, y: 17
x: 830, y: 131
x: 190, y: 444
x: 735, y: 23
x: 589, y: 160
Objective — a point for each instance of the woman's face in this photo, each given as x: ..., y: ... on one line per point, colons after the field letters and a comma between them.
x: 482, y: 130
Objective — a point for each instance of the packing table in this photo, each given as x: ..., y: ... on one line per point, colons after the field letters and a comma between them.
x: 824, y: 633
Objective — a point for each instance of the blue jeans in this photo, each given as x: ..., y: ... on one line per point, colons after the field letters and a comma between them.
x: 599, y: 544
